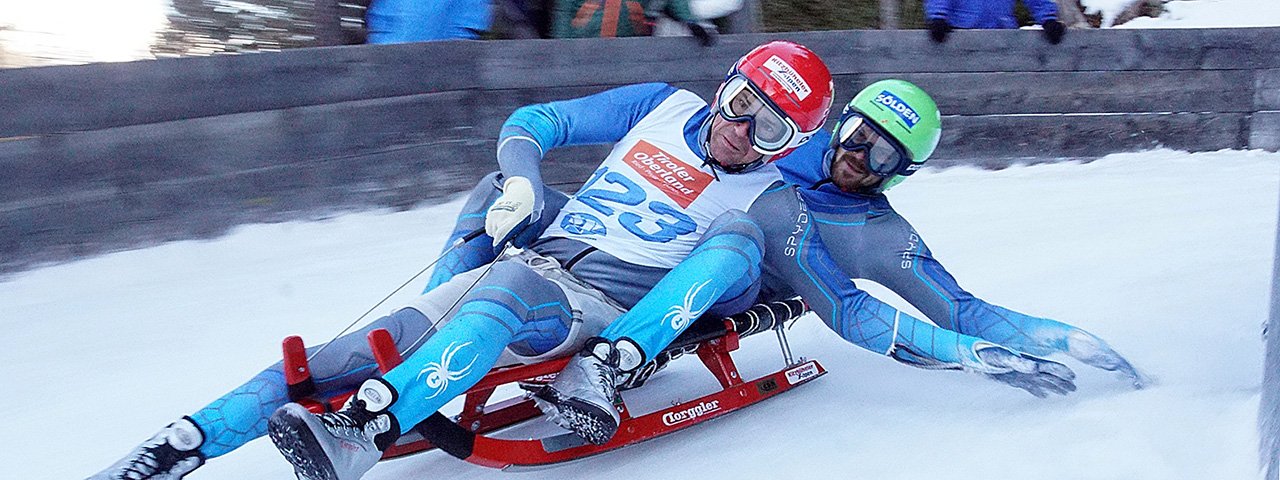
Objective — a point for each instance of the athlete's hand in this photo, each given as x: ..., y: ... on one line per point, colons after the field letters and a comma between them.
x: 516, y: 209
x: 1036, y: 375
x: 1044, y: 337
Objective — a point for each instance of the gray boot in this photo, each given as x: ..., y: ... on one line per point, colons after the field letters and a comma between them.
x: 168, y: 455
x: 582, y: 396
x: 341, y: 445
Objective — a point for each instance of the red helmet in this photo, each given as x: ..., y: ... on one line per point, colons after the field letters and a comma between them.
x: 794, y: 80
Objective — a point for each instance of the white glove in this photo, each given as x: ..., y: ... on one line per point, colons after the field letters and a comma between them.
x: 514, y: 209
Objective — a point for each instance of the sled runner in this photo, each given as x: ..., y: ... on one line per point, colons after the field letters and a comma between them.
x: 463, y: 436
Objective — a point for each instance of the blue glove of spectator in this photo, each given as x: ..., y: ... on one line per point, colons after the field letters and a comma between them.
x: 1054, y: 30
x: 939, y: 29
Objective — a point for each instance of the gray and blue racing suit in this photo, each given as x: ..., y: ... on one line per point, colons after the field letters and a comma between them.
x: 654, y: 188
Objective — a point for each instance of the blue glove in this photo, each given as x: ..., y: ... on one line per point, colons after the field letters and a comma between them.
x: 1033, y: 374
x: 1044, y: 337
x: 1036, y: 375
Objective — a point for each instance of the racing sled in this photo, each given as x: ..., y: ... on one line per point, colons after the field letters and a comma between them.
x: 463, y: 435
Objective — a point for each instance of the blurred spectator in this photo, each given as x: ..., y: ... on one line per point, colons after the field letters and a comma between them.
x: 614, y: 18
x: 599, y: 18
x: 944, y: 15
x: 398, y: 21
x: 690, y: 17
x: 523, y: 18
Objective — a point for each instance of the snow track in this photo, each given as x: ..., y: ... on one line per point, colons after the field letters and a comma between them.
x: 1166, y: 255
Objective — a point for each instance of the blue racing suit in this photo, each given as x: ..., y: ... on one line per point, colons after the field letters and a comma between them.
x: 821, y: 237
x: 816, y: 238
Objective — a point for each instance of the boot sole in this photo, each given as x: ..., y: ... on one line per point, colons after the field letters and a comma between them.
x: 293, y: 437
x: 590, y: 422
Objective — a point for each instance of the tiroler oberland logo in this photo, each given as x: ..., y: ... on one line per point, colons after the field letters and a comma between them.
x: 680, y: 181
x: 681, y: 416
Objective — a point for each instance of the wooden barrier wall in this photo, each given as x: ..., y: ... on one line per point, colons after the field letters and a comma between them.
x: 108, y: 156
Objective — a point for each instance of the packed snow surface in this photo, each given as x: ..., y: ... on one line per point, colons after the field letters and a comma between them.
x: 1165, y: 254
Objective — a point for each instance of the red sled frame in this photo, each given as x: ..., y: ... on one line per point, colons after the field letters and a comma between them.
x: 464, y: 435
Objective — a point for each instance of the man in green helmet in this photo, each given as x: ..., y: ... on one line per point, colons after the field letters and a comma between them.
x: 831, y: 222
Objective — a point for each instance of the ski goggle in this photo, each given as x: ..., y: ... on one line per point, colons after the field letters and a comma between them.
x: 771, y: 131
x: 885, y: 158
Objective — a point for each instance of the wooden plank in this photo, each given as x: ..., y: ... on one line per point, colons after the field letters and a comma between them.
x: 96, y: 96
x: 1026, y: 51
x: 1075, y: 92
x: 163, y: 211
x: 1087, y: 135
x: 224, y: 147
x: 509, y: 64
x: 553, y: 63
x: 1235, y: 48
x: 1267, y: 90
x: 1264, y: 131
x: 523, y: 63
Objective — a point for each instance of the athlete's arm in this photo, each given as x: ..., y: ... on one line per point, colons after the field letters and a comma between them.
x: 605, y: 117
x: 533, y: 130
x: 796, y: 254
x: 894, y: 255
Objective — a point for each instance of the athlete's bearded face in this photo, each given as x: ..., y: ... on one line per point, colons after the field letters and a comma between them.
x: 849, y: 171
x: 730, y: 142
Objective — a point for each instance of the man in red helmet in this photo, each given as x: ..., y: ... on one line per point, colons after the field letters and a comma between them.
x: 676, y: 168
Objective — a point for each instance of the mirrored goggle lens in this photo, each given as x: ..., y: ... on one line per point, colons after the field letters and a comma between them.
x: 739, y: 102
x: 883, y: 157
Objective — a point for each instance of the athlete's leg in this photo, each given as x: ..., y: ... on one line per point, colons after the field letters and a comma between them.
x: 511, y: 304
x: 721, y: 276
x: 724, y: 267
x: 241, y: 415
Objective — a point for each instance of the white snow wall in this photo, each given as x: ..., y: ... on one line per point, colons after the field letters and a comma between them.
x: 1269, y: 408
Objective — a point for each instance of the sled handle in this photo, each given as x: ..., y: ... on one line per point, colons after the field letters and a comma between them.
x: 384, y: 350
x: 297, y: 373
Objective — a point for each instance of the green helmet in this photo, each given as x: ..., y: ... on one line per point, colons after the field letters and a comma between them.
x: 906, y: 114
